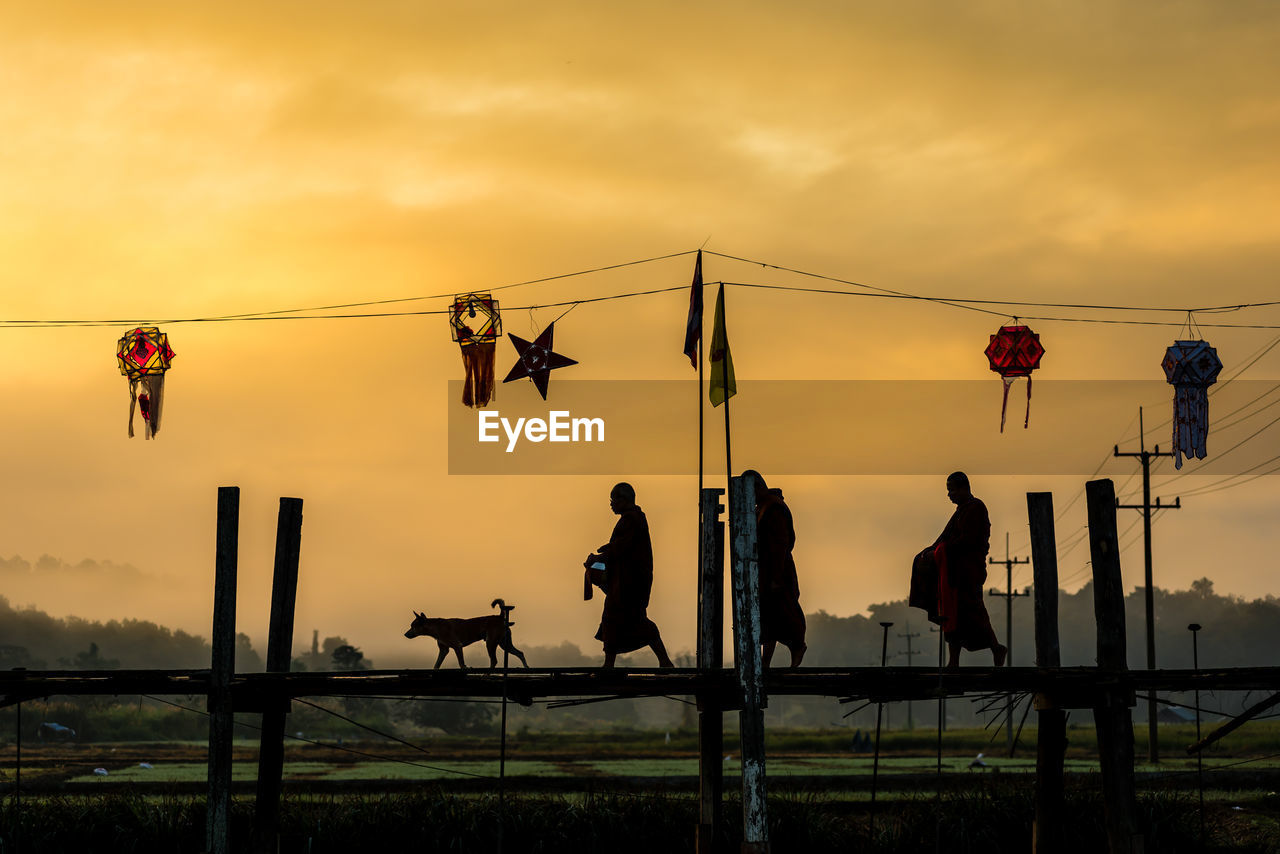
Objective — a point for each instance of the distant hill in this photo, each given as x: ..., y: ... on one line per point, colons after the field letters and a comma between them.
x: 31, y: 638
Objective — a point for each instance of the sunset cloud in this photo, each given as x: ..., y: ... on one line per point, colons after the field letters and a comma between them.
x: 166, y: 161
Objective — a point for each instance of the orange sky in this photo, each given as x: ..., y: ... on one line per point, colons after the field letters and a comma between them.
x: 193, y: 160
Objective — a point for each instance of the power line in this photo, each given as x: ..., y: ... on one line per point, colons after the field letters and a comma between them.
x: 956, y: 302
x: 1207, y: 491
x: 52, y: 324
x: 967, y: 303
x: 1251, y: 360
x: 1220, y: 427
x: 262, y: 315
x: 1015, y: 303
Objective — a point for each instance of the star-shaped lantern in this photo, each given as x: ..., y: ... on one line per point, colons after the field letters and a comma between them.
x: 1014, y: 352
x: 537, y: 360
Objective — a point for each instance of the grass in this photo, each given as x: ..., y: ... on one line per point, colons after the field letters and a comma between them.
x: 624, y: 753
x: 198, y: 772
x: 686, y: 767
x: 993, y: 818
x: 990, y: 812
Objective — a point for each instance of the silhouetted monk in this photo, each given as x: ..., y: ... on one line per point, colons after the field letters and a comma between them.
x: 781, y: 619
x: 948, y: 577
x: 628, y: 579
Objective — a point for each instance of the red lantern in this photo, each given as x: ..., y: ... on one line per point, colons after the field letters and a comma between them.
x: 1014, y: 352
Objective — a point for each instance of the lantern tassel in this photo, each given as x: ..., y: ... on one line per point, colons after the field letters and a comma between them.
x: 146, y: 394
x: 1027, y: 420
x: 154, y: 398
x: 478, y: 388
x: 133, y: 402
x: 1190, y: 424
x: 1004, y: 404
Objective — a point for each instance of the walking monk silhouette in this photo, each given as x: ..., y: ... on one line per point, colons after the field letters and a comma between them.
x: 947, y: 578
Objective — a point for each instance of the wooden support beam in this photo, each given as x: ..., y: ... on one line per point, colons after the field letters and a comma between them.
x: 1112, y: 716
x: 222, y: 668
x: 1066, y: 687
x: 1051, y: 730
x: 746, y: 619
x: 284, y: 591
x: 1235, y: 723
x: 710, y: 660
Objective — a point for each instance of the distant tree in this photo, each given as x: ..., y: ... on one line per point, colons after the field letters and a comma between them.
x: 16, y: 655
x: 247, y: 658
x: 332, y: 643
x: 347, y: 657
x: 1202, y: 587
x: 91, y: 659
x: 450, y: 715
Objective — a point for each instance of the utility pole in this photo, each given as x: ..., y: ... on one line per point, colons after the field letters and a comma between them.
x: 911, y: 723
x: 1009, y: 595
x: 1145, y: 457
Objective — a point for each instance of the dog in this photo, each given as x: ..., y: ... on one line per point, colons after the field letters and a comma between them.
x: 452, y: 633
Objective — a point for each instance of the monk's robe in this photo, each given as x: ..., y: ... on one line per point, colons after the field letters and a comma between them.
x: 624, y: 622
x: 781, y: 618
x: 965, y: 541
x: 931, y: 588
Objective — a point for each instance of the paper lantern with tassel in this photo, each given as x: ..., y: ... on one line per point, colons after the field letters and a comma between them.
x: 1190, y: 367
x: 477, y: 325
x: 1014, y: 352
x: 144, y: 355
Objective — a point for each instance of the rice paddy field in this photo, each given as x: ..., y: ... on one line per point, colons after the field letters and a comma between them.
x: 630, y: 791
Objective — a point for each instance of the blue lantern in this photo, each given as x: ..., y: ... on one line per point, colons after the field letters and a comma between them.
x: 1190, y: 367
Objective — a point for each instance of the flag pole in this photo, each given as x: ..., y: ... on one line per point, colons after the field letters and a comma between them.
x: 728, y: 456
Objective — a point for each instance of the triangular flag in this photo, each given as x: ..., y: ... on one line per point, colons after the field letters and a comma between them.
x: 693, y: 326
x: 723, y: 383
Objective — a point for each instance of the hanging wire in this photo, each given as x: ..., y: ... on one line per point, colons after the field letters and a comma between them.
x: 865, y: 290
x: 967, y: 302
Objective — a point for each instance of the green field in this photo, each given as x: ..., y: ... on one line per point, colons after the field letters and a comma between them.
x: 629, y: 790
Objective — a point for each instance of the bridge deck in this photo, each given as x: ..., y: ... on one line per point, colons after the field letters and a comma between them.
x: 1067, y: 686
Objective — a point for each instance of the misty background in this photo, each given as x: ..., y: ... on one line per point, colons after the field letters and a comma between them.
x: 1237, y: 632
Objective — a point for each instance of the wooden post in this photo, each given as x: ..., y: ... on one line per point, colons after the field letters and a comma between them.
x: 710, y: 661
x: 1112, y: 716
x: 1051, y: 739
x: 16, y: 836
x: 222, y: 667
x: 746, y: 618
x: 284, y: 590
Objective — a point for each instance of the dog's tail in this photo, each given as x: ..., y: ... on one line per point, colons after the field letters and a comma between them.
x: 505, y: 610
